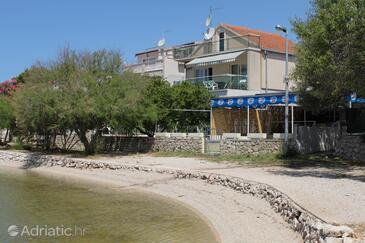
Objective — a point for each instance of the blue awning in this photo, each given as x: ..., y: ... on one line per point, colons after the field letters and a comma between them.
x: 258, y: 101
x: 355, y: 99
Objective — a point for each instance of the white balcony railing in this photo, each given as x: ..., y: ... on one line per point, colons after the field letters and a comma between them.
x: 211, y: 47
x: 224, y: 81
x: 148, y: 66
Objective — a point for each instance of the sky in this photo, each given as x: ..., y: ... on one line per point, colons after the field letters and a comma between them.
x: 36, y: 30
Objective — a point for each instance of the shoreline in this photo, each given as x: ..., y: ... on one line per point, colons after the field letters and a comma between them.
x: 238, y: 209
x: 94, y: 183
x: 177, y: 193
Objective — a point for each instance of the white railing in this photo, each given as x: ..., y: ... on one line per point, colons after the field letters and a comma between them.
x: 224, y: 81
x: 147, y: 66
x: 214, y: 46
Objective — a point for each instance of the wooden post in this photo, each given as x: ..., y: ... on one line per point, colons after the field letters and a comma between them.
x: 258, y: 121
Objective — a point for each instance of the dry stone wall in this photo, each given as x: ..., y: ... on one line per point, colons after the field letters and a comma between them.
x: 118, y: 144
x: 250, y: 146
x: 351, y: 148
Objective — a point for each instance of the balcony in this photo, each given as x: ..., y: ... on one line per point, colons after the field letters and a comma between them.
x: 147, y: 66
x: 191, y: 51
x: 224, y: 81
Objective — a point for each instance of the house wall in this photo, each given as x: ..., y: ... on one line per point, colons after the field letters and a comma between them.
x: 276, y: 70
x: 254, y: 70
x: 172, y: 71
x: 232, y: 42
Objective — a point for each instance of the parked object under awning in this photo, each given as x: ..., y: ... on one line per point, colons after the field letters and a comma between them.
x: 217, y: 59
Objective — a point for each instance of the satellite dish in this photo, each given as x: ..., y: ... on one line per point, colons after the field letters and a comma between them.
x: 161, y: 42
x: 208, y: 21
x: 209, y: 34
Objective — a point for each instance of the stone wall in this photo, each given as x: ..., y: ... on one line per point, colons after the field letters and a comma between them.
x: 71, y: 142
x: 119, y: 144
x: 310, y: 227
x: 351, y: 147
x: 250, y: 146
x: 139, y: 144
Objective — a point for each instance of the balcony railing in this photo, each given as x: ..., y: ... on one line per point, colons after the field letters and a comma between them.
x: 224, y: 81
x: 212, y: 47
x: 148, y: 66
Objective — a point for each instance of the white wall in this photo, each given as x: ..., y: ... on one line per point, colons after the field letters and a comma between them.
x: 276, y: 70
x: 254, y: 70
x: 172, y: 72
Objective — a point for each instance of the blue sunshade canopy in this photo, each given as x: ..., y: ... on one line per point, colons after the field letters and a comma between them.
x: 253, y: 101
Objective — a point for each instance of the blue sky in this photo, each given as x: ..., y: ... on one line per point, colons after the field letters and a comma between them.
x: 35, y: 30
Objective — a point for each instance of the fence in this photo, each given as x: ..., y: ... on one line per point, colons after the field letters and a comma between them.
x: 316, y: 139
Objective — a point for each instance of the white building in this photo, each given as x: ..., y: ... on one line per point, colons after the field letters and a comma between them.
x: 159, y: 62
x: 235, y: 61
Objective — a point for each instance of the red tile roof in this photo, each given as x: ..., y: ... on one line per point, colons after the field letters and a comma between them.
x: 268, y: 40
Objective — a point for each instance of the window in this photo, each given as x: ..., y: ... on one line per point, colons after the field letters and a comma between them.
x: 181, y: 68
x: 239, y: 69
x: 203, y: 74
x: 235, y: 69
x: 221, y: 41
x: 239, y: 76
x: 244, y: 69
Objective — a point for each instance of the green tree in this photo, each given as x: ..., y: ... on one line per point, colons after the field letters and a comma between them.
x: 331, y: 52
x: 190, y: 97
x: 154, y: 109
x: 7, y: 118
x: 70, y: 93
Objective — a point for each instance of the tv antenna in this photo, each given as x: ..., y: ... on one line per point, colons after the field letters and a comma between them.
x: 209, y: 33
x: 208, y: 24
x: 161, y: 43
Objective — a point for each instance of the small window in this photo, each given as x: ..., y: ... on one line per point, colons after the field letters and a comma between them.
x: 181, y: 68
x: 235, y: 69
x: 243, y: 69
x: 221, y: 41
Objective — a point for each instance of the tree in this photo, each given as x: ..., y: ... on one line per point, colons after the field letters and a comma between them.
x: 155, y: 107
x: 70, y: 93
x: 7, y: 119
x: 331, y: 52
x: 193, y: 97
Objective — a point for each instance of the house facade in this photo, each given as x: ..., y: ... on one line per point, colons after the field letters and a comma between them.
x: 237, y: 61
x: 235, y: 64
x: 158, y: 62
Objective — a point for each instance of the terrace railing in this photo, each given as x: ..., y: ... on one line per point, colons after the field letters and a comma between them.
x: 148, y: 66
x: 214, y: 46
x: 224, y: 81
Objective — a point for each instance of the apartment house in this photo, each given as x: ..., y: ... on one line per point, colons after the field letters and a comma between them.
x: 243, y: 68
x: 158, y: 62
x: 237, y: 61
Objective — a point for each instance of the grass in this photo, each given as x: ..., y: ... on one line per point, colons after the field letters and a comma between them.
x: 271, y: 159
